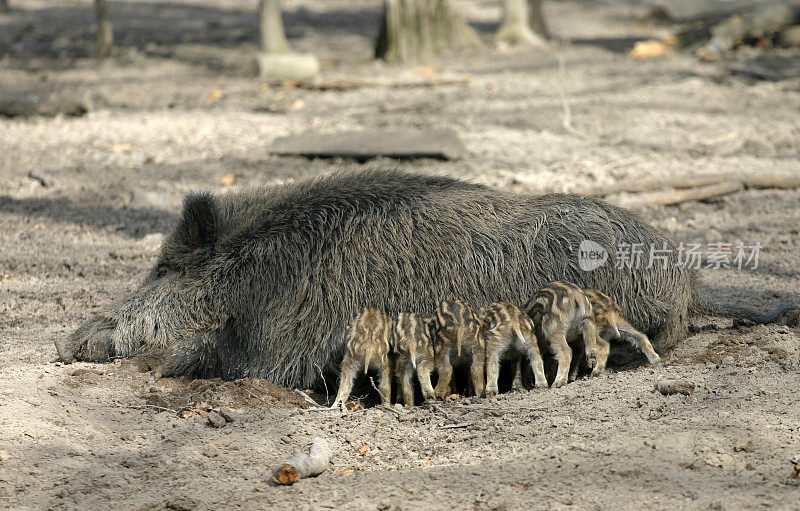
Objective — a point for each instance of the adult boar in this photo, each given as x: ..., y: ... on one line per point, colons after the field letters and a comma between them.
x: 263, y: 283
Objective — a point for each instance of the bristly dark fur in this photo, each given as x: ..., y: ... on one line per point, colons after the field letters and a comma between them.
x: 262, y: 283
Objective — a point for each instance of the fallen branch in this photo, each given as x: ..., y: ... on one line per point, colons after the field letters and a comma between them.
x: 341, y: 85
x: 758, y: 181
x: 666, y: 197
x: 307, y: 398
x: 302, y: 465
x: 645, y: 185
x: 147, y: 407
x: 454, y: 426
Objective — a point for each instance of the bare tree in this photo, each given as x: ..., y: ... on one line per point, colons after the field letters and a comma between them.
x: 105, y: 35
x: 518, y: 16
x: 418, y: 30
x: 276, y: 60
x: 273, y: 37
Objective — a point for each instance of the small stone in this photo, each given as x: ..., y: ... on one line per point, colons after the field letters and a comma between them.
x: 216, y: 420
x: 729, y: 360
x: 228, y: 414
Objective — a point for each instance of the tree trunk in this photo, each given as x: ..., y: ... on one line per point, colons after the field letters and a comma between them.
x: 273, y: 37
x: 515, y: 28
x: 537, y: 18
x: 275, y: 60
x: 105, y: 36
x: 418, y: 30
x: 4, y: 6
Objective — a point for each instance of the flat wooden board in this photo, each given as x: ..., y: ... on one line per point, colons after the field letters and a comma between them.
x: 360, y: 145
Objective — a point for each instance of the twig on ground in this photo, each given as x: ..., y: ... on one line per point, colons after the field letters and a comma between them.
x: 665, y: 197
x: 771, y: 180
x: 439, y: 409
x: 256, y: 397
x: 396, y: 83
x: 454, y: 426
x: 307, y: 398
x: 146, y: 407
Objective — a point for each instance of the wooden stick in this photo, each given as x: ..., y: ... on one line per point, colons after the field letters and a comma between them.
x: 307, y: 398
x: 302, y: 465
x: 780, y: 181
x: 665, y: 197
x: 646, y: 185
x: 342, y: 85
x: 758, y: 181
x: 454, y: 426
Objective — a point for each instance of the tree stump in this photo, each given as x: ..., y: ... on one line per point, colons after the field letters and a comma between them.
x: 414, y: 31
x: 275, y: 59
x: 515, y: 29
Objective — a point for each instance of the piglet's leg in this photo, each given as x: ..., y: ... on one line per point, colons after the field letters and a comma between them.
x: 385, y: 384
x: 563, y: 353
x: 494, y: 348
x: 349, y: 369
x: 642, y: 342
x: 516, y: 384
x: 445, y: 369
x: 408, y: 386
x: 477, y: 371
x: 603, y: 350
x: 424, y: 376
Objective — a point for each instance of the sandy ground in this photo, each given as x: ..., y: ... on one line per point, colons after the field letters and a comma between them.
x: 174, y: 111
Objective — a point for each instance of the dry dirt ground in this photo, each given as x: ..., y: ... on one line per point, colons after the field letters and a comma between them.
x: 175, y: 111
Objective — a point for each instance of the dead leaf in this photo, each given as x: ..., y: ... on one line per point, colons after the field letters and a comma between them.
x: 453, y: 396
x: 122, y: 148
x: 227, y: 179
x: 428, y: 71
x: 297, y: 104
x: 185, y: 414
x: 6, y: 276
x: 344, y: 471
x: 214, y: 96
x: 426, y: 463
x: 363, y: 450
x: 353, y: 406
x: 648, y: 49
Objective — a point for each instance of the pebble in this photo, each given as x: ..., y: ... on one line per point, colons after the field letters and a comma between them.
x: 216, y: 420
x: 228, y: 414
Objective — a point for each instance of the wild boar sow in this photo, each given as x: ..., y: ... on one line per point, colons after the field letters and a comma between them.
x: 263, y: 283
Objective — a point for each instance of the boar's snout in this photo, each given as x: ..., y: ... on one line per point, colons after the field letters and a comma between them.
x: 91, y: 342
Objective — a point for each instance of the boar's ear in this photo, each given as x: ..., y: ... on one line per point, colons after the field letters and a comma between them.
x: 200, y: 218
